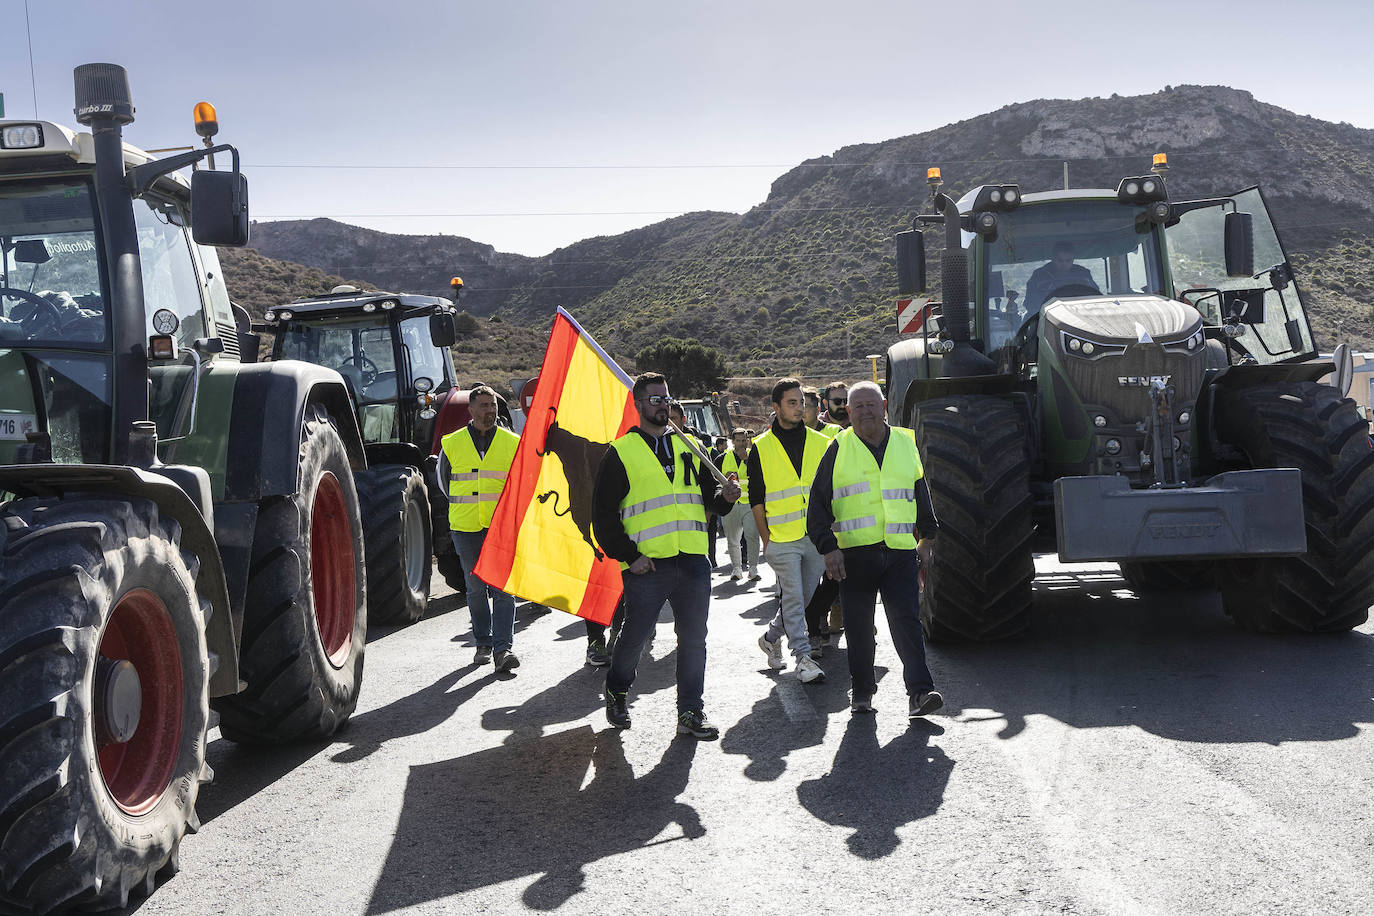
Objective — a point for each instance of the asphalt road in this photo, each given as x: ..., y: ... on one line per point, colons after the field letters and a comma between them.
x: 1133, y: 755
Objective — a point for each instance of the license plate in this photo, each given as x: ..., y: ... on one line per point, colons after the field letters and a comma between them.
x: 17, y: 426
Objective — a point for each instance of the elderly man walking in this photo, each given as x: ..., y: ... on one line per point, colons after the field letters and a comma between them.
x: 649, y: 510
x: 868, y: 504
x: 475, y: 461
x: 781, y: 469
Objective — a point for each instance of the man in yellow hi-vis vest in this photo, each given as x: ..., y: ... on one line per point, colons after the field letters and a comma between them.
x: 649, y: 510
x: 781, y: 469
x: 474, y: 463
x: 739, y: 523
x: 871, y: 518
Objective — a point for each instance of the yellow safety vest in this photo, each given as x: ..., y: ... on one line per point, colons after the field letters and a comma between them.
x: 784, y: 502
x: 875, y: 504
x: 738, y: 466
x: 475, y: 483
x: 663, y: 517
x: 830, y: 430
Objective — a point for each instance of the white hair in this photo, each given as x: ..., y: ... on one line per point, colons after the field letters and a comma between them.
x: 866, y: 386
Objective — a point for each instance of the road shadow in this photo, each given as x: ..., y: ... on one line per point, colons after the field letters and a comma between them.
x: 1172, y: 664
x: 522, y: 809
x: 413, y: 714
x: 578, y: 695
x: 875, y: 790
x: 791, y: 717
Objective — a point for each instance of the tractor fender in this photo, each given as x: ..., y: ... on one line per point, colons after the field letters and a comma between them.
x: 394, y: 453
x: 270, y: 402
x: 57, y: 480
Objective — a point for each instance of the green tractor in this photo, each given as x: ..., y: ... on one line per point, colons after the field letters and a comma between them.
x: 393, y: 352
x: 180, y: 525
x: 1132, y: 379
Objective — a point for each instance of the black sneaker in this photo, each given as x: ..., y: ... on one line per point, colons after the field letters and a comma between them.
x: 597, y: 656
x: 506, y: 662
x: 861, y: 703
x: 694, y: 723
x: 616, y: 711
x: 483, y: 655
x: 923, y: 704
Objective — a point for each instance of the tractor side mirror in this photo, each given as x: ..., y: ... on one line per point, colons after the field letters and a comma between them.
x: 911, y: 263
x: 1345, y: 369
x: 442, y: 330
x: 219, y: 208
x: 1240, y: 245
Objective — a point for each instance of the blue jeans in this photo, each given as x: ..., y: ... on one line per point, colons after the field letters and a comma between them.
x: 492, y: 624
x: 868, y: 572
x: 684, y: 581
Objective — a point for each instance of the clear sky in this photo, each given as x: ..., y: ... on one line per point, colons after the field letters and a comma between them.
x: 530, y: 125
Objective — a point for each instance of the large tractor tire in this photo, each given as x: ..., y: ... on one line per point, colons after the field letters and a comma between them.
x: 1313, y: 428
x: 305, y: 611
x: 978, y: 468
x: 1169, y: 575
x: 103, y: 682
x: 394, y: 503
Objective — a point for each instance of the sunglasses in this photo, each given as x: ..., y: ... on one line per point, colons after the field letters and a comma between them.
x: 657, y: 400
x: 839, y: 403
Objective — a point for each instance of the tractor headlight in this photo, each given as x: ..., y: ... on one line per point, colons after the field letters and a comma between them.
x: 1099, y: 421
x: 369, y: 307
x: 270, y: 316
x: 1088, y: 348
x: 388, y: 305
x: 1113, y: 446
x: 286, y: 316
x: 1184, y: 417
x: 1075, y: 344
x: 21, y: 136
x: 1233, y: 330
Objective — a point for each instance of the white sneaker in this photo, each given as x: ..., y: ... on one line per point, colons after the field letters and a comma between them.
x: 774, y: 652
x: 808, y: 672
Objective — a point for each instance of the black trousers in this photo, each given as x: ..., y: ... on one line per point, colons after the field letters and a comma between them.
x: 868, y: 573
x: 818, y: 609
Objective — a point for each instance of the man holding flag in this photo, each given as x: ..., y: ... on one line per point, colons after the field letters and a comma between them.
x: 649, y: 510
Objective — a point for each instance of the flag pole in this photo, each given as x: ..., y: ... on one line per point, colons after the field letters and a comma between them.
x: 697, y: 450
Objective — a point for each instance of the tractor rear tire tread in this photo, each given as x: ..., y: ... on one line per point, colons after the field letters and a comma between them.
x: 384, y: 492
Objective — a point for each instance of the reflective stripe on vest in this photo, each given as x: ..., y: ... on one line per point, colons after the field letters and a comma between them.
x: 475, y: 482
x: 786, y: 494
x: 738, y: 466
x: 875, y: 504
x: 663, y: 517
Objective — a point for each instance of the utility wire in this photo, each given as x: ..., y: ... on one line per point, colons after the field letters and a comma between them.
x: 33, y: 80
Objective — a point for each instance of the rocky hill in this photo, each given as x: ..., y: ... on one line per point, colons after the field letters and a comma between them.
x: 804, y: 281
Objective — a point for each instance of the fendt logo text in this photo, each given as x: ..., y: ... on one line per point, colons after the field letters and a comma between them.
x: 1142, y: 381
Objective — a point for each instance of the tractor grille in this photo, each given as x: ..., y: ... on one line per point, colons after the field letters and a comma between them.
x: 1100, y: 382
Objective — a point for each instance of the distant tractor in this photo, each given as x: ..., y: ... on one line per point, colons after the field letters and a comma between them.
x: 180, y: 529
x: 393, y: 352
x: 1111, y: 369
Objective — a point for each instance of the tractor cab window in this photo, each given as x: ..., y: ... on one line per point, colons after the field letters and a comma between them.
x: 51, y: 290
x: 1265, y: 311
x: 362, y: 352
x: 1061, y: 250
x: 425, y: 359
x: 170, y: 281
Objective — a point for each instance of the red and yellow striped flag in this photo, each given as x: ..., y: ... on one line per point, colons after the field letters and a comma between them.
x: 540, y: 545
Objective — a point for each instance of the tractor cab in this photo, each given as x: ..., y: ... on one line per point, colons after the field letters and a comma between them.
x: 391, y: 349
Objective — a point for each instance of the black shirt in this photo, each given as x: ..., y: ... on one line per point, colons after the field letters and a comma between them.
x: 613, y: 483
x: 820, y: 516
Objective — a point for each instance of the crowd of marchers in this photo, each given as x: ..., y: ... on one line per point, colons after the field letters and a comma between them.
x: 830, y: 496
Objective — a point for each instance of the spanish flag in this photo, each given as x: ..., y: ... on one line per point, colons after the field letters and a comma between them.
x: 540, y: 545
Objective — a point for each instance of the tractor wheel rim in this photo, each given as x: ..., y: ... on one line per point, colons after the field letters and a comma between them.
x: 137, y: 773
x: 332, y: 569
x: 416, y: 558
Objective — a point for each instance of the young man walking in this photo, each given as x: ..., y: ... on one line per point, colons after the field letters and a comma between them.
x: 781, y: 469
x: 649, y: 510
x: 740, y: 520
x: 868, y: 506
x: 475, y: 461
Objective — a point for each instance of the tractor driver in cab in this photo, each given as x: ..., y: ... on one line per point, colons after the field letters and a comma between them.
x: 1058, y: 275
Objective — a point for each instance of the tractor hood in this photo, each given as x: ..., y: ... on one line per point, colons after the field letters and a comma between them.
x: 1124, y: 320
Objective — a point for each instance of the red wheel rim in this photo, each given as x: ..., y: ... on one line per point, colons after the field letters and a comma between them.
x: 332, y: 569
x: 137, y: 773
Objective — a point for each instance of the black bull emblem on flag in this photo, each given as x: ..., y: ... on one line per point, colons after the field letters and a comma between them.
x: 581, y: 459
